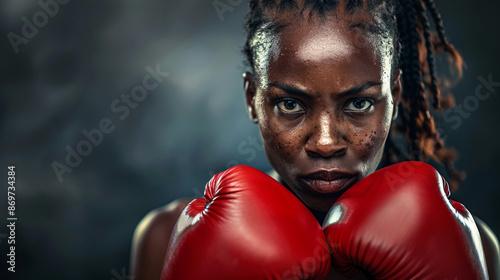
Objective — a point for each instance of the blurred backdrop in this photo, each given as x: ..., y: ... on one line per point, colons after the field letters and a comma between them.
x: 109, y: 109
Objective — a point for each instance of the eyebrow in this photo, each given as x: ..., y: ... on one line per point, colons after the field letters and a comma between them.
x: 295, y: 91
x: 289, y: 89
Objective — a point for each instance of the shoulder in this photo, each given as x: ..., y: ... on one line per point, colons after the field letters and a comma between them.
x: 161, y: 218
x: 151, y: 238
x: 491, y: 248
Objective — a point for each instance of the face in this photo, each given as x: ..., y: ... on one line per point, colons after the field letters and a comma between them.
x: 323, y: 96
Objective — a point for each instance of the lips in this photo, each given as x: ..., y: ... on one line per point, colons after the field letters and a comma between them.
x: 328, y: 181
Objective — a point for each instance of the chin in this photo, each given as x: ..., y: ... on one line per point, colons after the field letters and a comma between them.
x: 319, y: 201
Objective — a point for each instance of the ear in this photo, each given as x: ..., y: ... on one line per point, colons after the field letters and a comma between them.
x: 249, y: 88
x: 396, y: 90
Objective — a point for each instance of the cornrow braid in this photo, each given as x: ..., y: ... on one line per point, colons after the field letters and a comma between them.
x: 287, y: 4
x: 412, y: 77
x: 455, y: 59
x: 352, y: 5
x: 430, y: 55
x: 416, y: 44
x: 419, y: 80
x: 321, y: 7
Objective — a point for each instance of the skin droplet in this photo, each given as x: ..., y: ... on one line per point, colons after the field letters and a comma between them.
x: 322, y: 59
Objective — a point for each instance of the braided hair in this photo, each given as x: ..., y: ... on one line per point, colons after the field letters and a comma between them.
x: 416, y: 45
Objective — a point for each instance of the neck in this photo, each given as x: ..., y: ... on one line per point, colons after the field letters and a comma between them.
x: 319, y: 215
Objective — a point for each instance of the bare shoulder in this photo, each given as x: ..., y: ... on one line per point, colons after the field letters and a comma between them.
x: 161, y: 218
x: 491, y: 248
x: 151, y: 238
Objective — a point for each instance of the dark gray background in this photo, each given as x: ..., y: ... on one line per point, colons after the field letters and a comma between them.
x: 194, y: 124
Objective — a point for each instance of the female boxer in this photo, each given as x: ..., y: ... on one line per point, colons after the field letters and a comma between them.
x: 333, y: 83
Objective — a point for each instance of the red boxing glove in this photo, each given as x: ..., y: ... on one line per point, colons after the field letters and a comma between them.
x: 398, y: 223
x: 248, y: 226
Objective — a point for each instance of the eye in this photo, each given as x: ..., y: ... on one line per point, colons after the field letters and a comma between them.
x: 359, y: 104
x: 290, y: 106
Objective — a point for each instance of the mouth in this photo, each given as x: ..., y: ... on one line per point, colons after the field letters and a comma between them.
x: 328, y: 181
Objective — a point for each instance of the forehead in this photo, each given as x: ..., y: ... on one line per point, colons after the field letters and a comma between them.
x: 317, y: 39
x: 301, y: 48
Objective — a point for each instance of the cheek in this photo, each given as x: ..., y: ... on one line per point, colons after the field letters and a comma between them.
x: 280, y: 143
x: 368, y: 141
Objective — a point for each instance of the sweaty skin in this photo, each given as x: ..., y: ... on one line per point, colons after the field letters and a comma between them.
x: 323, y: 95
x: 325, y: 105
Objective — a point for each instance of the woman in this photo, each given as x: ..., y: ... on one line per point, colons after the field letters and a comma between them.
x: 333, y: 83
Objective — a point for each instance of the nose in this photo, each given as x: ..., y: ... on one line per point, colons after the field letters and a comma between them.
x: 326, y: 139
